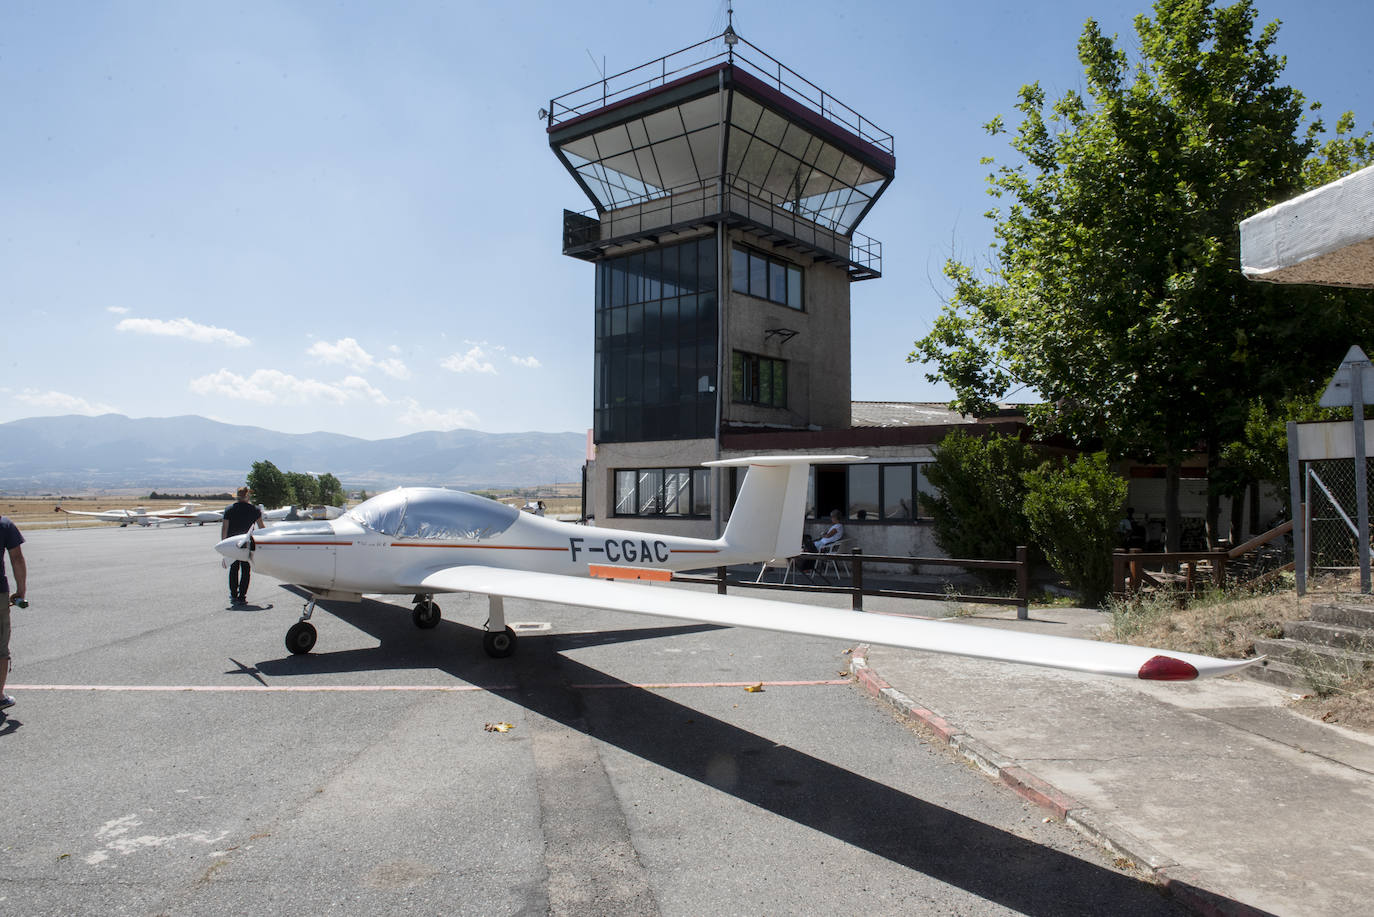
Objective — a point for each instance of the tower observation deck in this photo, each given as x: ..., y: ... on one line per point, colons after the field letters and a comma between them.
x: 720, y: 133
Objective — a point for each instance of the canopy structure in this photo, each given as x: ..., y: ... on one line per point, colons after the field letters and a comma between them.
x: 1326, y: 236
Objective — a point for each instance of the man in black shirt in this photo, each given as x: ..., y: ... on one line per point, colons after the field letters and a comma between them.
x: 240, y: 517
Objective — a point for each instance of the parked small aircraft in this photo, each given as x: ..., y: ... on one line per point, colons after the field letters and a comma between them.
x: 301, y: 513
x: 139, y: 515
x: 188, y: 514
x: 424, y: 541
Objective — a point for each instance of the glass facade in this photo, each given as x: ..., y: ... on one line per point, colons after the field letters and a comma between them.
x: 684, y: 492
x: 881, y: 492
x: 656, y: 333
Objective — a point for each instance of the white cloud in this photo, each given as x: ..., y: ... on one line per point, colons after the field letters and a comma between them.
x: 527, y: 362
x: 431, y: 419
x: 272, y: 386
x: 117, y: 310
x: 474, y: 361
x: 62, y: 403
x: 183, y: 328
x: 348, y: 352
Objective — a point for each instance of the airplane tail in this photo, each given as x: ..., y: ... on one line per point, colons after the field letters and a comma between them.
x: 766, y: 521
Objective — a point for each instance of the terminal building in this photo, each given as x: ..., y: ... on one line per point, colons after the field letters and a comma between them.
x: 726, y: 193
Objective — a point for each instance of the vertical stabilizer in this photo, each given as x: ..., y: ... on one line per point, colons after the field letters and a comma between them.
x: 766, y: 521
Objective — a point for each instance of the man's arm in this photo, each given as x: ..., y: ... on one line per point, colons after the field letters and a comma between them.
x: 21, y: 570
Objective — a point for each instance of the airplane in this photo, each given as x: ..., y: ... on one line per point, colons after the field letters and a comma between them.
x: 315, y: 511
x: 139, y: 515
x: 187, y: 514
x: 424, y: 541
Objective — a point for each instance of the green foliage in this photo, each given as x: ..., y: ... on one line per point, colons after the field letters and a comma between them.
x: 1114, y: 291
x: 273, y: 488
x: 1344, y: 153
x: 1073, y: 509
x: 304, y: 489
x: 977, y: 512
x: 331, y: 492
x: 269, y: 485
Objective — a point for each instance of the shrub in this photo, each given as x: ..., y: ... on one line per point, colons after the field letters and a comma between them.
x: 977, y: 512
x: 1072, y: 510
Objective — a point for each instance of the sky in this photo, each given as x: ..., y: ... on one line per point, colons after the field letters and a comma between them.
x: 345, y: 216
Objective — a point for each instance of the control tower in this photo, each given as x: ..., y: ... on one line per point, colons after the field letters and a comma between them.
x: 726, y: 192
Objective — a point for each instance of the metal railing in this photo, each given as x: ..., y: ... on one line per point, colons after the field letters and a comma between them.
x: 702, y: 200
x: 1129, y: 573
x: 857, y: 588
x: 700, y: 56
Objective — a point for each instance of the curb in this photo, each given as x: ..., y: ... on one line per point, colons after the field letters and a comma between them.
x: 1181, y: 883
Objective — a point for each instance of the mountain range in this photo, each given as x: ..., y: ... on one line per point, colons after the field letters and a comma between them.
x: 112, y: 452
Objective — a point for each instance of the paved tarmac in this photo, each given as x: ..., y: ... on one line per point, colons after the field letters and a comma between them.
x: 1236, y: 804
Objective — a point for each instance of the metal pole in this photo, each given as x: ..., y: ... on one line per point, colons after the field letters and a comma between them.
x: 1295, y: 498
x: 1357, y: 371
x: 1023, y: 582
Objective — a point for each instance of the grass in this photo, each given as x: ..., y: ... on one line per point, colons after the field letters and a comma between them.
x: 1227, y: 623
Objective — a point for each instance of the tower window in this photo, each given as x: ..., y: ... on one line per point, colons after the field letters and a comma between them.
x: 756, y: 274
x: 758, y: 380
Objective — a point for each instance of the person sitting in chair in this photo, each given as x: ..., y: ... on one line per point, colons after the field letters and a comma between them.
x: 832, y: 534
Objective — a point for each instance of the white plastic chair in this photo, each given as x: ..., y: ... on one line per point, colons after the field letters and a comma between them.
x: 832, y: 561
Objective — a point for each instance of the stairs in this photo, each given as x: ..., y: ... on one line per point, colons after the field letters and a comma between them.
x: 1318, y: 654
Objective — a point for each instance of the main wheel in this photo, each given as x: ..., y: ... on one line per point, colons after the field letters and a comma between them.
x: 426, y: 615
x: 300, y: 639
x: 499, y: 643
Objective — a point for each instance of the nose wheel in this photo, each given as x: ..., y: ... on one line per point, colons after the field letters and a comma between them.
x: 300, y: 639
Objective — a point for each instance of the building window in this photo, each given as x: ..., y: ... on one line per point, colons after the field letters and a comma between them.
x: 756, y: 274
x: 680, y: 492
x: 758, y: 380
x: 870, y: 492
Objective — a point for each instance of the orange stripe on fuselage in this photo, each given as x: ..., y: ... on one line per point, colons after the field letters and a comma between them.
x: 646, y: 573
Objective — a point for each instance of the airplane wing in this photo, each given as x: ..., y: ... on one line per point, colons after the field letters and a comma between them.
x: 791, y: 618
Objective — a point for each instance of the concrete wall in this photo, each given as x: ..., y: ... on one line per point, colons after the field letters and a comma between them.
x: 818, y: 382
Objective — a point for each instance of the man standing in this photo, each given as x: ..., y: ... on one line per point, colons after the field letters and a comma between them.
x: 240, y: 517
x: 10, y: 540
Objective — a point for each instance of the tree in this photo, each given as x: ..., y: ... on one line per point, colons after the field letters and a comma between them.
x: 304, y: 488
x: 1115, y: 292
x: 1073, y: 509
x: 331, y: 492
x: 268, y: 484
x: 977, y: 512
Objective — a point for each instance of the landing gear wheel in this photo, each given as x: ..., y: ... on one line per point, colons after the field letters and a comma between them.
x: 300, y: 639
x: 499, y: 643
x: 425, y: 615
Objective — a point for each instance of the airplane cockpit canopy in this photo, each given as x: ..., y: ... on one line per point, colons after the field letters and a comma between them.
x: 433, y: 513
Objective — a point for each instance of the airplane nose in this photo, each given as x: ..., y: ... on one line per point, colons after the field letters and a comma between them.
x: 235, y: 547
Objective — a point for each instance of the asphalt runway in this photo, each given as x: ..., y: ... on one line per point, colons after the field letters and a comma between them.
x: 168, y: 756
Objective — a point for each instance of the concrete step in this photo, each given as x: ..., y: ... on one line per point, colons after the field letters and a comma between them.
x: 1347, y: 614
x: 1314, y: 656
x: 1352, y: 638
x: 1283, y: 674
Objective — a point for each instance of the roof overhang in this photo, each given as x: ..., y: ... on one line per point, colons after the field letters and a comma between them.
x: 1325, y: 236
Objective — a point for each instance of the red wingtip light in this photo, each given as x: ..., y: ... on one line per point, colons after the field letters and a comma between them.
x: 1167, y: 668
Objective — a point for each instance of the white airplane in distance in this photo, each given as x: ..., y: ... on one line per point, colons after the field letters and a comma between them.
x: 188, y: 514
x: 315, y: 511
x: 425, y: 541
x: 139, y: 515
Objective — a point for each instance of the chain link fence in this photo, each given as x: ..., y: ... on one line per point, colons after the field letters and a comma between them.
x: 1333, y: 542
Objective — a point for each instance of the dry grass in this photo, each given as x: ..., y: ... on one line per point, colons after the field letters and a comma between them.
x: 1227, y: 624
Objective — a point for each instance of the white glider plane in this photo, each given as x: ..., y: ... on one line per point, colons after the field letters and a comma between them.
x: 137, y: 516
x: 426, y: 541
x: 187, y: 514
